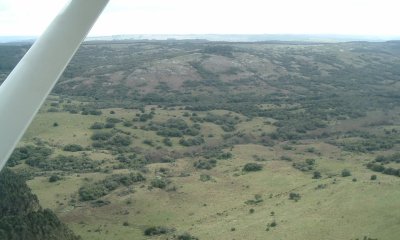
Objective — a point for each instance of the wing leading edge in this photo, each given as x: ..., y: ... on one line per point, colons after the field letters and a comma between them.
x: 28, y: 85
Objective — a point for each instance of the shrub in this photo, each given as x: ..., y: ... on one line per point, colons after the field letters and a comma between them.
x: 373, y: 177
x: 97, y: 125
x: 100, y: 203
x: 257, y: 199
x: 73, y: 148
x: 148, y: 142
x: 186, y: 236
x: 294, y: 196
x: 101, y: 136
x: 273, y: 224
x: 120, y: 140
x: 159, y: 183
x: 316, y: 175
x: 54, y: 178
x: 252, y: 167
x: 109, y: 125
x: 159, y: 230
x: 205, y: 177
x: 205, y: 164
x: 346, y: 173
x: 167, y: 142
x: 113, y: 120
x: 310, y: 161
x: 128, y: 124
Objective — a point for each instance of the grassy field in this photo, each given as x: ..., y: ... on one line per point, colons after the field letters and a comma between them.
x: 333, y: 207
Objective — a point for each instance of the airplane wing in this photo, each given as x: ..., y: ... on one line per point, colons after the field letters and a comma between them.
x: 28, y: 85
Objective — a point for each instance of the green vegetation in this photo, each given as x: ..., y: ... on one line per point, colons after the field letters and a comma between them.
x: 21, y: 215
x: 380, y: 162
x: 196, y: 118
x: 346, y: 173
x: 205, y: 164
x: 73, y: 148
x: 252, y: 167
x: 294, y: 196
x: 30, y: 153
x: 93, y: 191
x: 159, y: 230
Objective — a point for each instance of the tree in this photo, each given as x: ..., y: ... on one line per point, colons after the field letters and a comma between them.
x: 346, y: 173
x: 316, y: 175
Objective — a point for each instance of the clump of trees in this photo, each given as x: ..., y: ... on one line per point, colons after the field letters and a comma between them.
x: 380, y: 167
x: 29, y: 152
x: 252, y: 167
x: 65, y: 163
x: 110, y: 140
x: 93, y: 191
x: 175, y: 127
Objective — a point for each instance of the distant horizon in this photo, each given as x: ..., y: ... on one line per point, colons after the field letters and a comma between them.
x: 233, y: 37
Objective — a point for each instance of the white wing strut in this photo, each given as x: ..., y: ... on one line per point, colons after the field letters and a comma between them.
x: 27, y: 86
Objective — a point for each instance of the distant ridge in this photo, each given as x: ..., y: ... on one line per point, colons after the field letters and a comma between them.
x: 223, y: 37
x: 249, y: 37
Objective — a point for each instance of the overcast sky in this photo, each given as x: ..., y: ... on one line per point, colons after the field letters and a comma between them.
x: 354, y: 17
